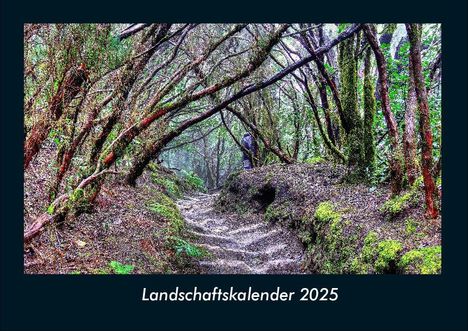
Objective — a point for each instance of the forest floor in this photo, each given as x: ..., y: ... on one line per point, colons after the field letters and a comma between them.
x: 239, y: 244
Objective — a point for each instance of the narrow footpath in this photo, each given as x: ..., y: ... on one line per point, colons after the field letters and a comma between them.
x: 239, y: 245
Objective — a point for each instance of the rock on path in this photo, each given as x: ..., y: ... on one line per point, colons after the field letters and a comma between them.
x: 239, y: 245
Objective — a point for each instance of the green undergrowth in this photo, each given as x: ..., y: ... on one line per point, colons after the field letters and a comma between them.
x: 175, y: 185
x: 425, y: 261
x: 168, y: 188
x: 326, y: 212
x: 192, y: 180
x: 277, y: 213
x: 314, y: 160
x: 113, y: 268
x: 334, y: 239
x: 399, y: 203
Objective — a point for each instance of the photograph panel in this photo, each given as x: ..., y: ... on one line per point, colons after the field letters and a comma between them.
x: 158, y: 148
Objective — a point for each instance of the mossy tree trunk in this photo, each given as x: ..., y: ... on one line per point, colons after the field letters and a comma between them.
x: 369, y: 115
x: 349, y: 102
x: 66, y: 92
x: 414, y: 34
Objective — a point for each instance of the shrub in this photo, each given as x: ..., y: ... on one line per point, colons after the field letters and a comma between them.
x: 194, y: 181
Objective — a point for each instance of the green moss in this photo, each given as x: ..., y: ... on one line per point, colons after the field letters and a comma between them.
x: 410, y: 226
x: 165, y: 207
x: 399, y: 203
x: 51, y: 209
x: 326, y: 212
x: 349, y: 102
x: 387, y: 254
x: 380, y: 257
x: 335, y: 232
x: 274, y: 213
x: 315, y: 160
x: 76, y: 195
x: 426, y: 261
x: 369, y: 249
x: 169, y: 185
x: 358, y: 267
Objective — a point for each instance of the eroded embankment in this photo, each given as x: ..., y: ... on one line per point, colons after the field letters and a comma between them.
x: 344, y: 228
x: 128, y: 230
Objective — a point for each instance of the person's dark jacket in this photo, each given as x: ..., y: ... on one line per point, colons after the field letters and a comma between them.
x: 248, y: 142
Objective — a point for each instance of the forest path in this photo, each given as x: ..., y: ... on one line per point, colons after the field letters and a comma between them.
x: 239, y: 245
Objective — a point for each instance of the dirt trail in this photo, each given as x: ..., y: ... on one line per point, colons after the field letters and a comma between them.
x: 239, y: 245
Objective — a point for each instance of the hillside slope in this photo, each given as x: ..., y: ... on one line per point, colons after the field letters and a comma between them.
x: 344, y: 228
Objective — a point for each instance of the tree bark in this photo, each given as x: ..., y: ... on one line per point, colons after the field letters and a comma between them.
x: 414, y: 34
x: 396, y: 173
x: 409, y: 141
x: 67, y: 90
x: 369, y: 115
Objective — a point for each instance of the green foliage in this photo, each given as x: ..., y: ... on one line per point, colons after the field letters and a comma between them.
x: 326, y: 212
x: 410, y: 226
x: 76, y: 195
x: 399, y: 203
x: 315, y: 160
x: 425, y: 261
x: 387, y: 254
x: 169, y: 185
x: 182, y: 246
x: 121, y: 269
x: 170, y: 213
x: 194, y: 181
x: 369, y: 250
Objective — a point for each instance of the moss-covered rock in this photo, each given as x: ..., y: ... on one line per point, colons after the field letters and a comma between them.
x: 387, y: 256
x: 326, y: 212
x: 377, y: 256
x: 426, y: 261
x: 369, y: 248
x: 399, y: 203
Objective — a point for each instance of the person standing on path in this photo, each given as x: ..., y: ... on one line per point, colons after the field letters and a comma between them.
x: 249, y: 150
